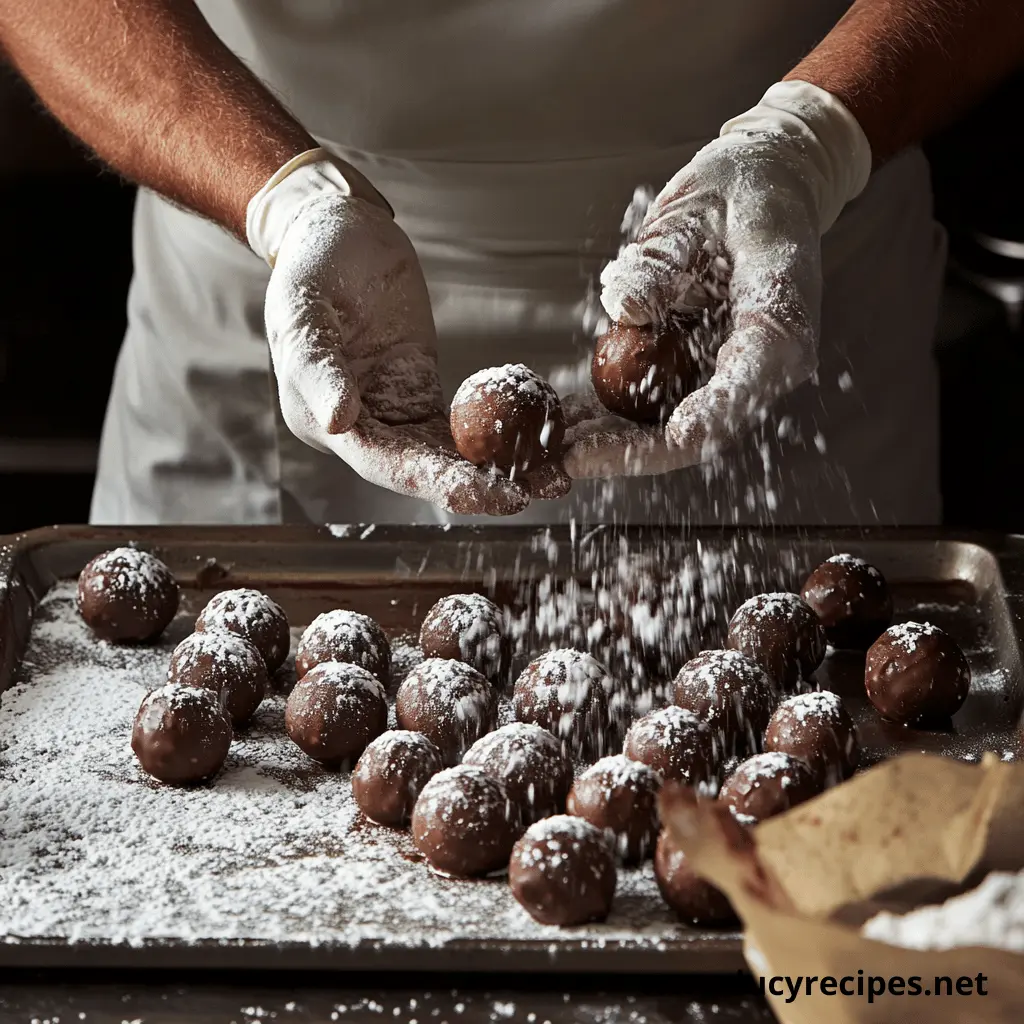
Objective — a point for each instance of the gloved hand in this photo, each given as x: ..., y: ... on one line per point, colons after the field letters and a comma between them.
x: 743, y: 220
x: 352, y: 337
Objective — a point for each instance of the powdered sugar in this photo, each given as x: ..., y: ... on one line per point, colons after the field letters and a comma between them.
x: 771, y: 606
x: 990, y: 915
x: 909, y: 634
x: 512, y: 379
x: 619, y: 772
x: 854, y: 561
x: 132, y: 571
x: 820, y: 704
x: 90, y: 850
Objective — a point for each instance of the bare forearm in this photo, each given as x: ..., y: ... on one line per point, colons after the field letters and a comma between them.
x: 906, y: 67
x: 149, y: 87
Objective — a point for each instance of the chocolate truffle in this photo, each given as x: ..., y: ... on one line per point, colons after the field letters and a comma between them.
x: 390, y: 774
x: 464, y: 823
x: 225, y: 663
x: 565, y: 692
x: 620, y: 796
x: 181, y: 734
x: 690, y: 896
x: 818, y: 729
x: 532, y: 765
x: 676, y: 744
x: 768, y: 784
x: 732, y: 693
x: 467, y: 627
x: 562, y: 872
x: 643, y: 373
x: 127, y: 596
x: 916, y: 672
x: 781, y: 634
x: 252, y: 615
x: 450, y: 703
x: 507, y: 416
x: 343, y: 635
x: 851, y: 599
x: 334, y: 711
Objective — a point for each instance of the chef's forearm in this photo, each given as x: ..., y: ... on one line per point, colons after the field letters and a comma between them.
x: 906, y: 67
x: 148, y: 86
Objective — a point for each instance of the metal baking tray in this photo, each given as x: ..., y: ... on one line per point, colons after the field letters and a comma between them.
x: 971, y: 585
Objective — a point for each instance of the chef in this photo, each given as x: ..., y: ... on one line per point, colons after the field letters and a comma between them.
x: 347, y: 206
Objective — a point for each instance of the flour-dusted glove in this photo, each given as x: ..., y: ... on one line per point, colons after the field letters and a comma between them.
x: 352, y: 337
x: 742, y: 221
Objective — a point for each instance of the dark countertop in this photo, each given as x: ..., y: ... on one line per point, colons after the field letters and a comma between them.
x: 98, y: 998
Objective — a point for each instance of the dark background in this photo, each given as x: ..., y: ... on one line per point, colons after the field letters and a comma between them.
x: 66, y: 228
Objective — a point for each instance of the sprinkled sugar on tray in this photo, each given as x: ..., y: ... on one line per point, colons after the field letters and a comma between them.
x: 271, y: 864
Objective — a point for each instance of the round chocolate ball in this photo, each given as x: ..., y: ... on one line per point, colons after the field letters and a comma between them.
x: 531, y: 764
x: 225, y: 663
x: 818, y: 729
x: 643, y: 373
x: 620, y: 797
x: 334, y: 711
x: 507, y: 416
x: 768, y: 784
x: 467, y: 627
x: 127, y: 596
x: 851, y: 599
x: 916, y: 672
x: 562, y: 872
x: 252, y: 615
x: 343, y: 635
x: 695, y: 900
x: 565, y: 692
x: 732, y: 693
x: 391, y: 773
x: 181, y: 734
x: 781, y: 634
x: 464, y: 823
x: 452, y: 704
x: 676, y: 744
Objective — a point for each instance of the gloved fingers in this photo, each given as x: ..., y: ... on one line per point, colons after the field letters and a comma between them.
x: 611, y: 446
x: 419, y: 460
x: 546, y: 483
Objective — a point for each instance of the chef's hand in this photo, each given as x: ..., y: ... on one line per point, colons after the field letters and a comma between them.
x: 742, y: 221
x: 352, y: 338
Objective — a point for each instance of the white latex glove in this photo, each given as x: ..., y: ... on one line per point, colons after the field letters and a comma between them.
x: 352, y: 337
x: 742, y: 221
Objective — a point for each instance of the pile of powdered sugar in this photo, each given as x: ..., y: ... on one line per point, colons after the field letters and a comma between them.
x: 990, y: 915
x: 273, y: 850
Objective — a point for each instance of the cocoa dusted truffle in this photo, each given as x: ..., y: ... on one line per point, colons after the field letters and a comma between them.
x: 781, y: 634
x: 467, y: 627
x: 620, y: 796
x: 391, y: 773
x: 181, y: 734
x: 565, y: 692
x: 643, y: 373
x: 562, y: 872
x: 818, y: 729
x: 851, y: 599
x: 507, y: 416
x: 127, y: 596
x: 676, y: 744
x: 464, y: 823
x: 452, y: 704
x: 343, y: 635
x: 916, y: 672
x: 768, y: 784
x: 732, y: 693
x: 334, y: 711
x: 690, y: 896
x: 225, y: 663
x: 532, y: 765
x: 252, y: 615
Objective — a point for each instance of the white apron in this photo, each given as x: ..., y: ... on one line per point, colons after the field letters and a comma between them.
x: 509, y: 139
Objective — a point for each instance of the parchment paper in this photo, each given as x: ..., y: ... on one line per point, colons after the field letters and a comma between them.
x: 911, y: 830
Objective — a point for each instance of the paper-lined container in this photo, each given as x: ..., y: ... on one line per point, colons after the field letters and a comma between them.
x: 913, y: 830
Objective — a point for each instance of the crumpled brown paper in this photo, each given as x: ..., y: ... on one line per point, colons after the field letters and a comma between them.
x: 911, y: 830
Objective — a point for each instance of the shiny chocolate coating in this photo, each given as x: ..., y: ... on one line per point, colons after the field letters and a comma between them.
x: 391, y: 773
x: 768, y: 784
x: 343, y: 635
x: 253, y: 615
x: 469, y: 628
x: 225, y: 663
x: 851, y: 599
x: 695, y: 900
x: 676, y: 744
x: 817, y: 728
